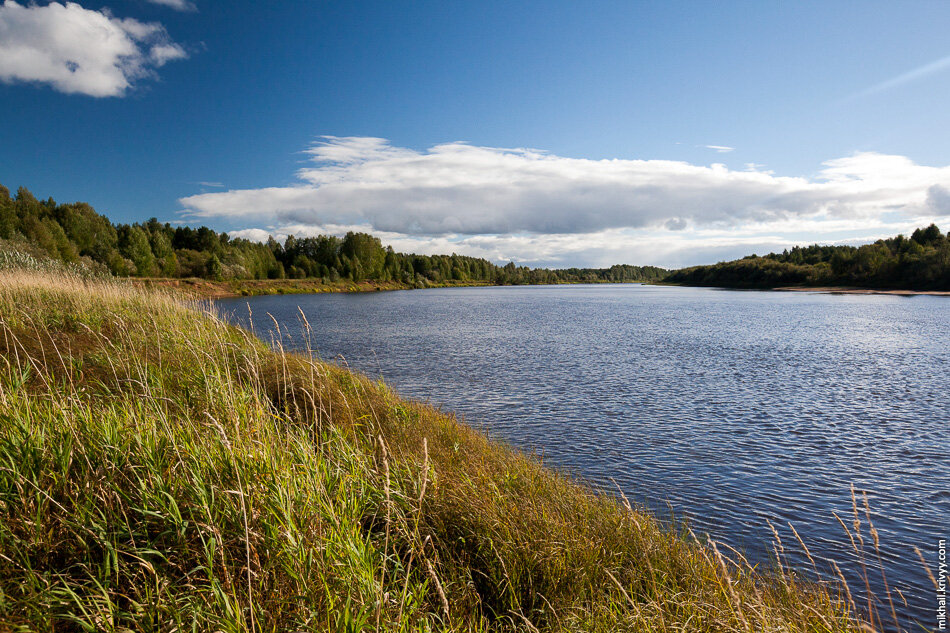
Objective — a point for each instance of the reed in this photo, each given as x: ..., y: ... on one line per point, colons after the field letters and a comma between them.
x: 161, y: 470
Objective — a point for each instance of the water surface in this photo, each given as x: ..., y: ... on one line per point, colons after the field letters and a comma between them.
x: 729, y: 408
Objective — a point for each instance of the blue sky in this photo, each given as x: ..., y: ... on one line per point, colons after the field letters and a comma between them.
x: 830, y: 121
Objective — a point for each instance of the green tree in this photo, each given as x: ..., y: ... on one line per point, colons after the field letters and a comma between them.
x: 134, y: 245
x: 215, y: 270
x: 928, y: 236
x: 365, y: 253
x: 8, y: 217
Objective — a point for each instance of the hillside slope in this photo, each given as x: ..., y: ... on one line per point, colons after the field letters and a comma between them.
x: 161, y: 470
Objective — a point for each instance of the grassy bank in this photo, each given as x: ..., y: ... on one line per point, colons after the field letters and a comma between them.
x: 161, y: 470
x: 210, y: 289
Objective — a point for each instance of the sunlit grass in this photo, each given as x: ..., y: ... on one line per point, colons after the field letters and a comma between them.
x: 161, y: 470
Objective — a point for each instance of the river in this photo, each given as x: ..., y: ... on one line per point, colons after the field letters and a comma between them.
x: 730, y: 409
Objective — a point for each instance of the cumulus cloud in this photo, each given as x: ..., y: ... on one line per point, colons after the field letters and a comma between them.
x: 77, y: 50
x: 457, y: 188
x: 938, y: 199
x: 539, y: 208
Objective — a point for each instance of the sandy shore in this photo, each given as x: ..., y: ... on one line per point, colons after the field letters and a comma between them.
x: 844, y: 290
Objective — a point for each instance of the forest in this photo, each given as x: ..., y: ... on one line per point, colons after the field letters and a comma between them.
x: 918, y: 262
x: 75, y: 233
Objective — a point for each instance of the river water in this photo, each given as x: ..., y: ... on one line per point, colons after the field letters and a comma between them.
x: 730, y: 409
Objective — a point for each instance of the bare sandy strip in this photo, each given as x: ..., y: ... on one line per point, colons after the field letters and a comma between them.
x: 844, y: 290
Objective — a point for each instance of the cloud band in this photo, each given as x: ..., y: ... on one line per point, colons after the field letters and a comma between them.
x: 460, y: 189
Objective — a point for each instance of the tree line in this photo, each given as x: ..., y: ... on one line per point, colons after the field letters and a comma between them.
x: 75, y: 233
x: 918, y: 262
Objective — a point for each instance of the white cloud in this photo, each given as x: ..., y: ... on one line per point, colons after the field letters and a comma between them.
x: 722, y: 149
x: 543, y: 209
x: 255, y: 235
x: 178, y: 5
x: 77, y: 50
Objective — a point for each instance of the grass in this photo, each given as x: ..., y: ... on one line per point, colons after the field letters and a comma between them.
x: 206, y: 288
x: 161, y: 470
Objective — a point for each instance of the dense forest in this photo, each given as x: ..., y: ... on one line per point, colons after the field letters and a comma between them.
x: 920, y: 262
x: 75, y: 233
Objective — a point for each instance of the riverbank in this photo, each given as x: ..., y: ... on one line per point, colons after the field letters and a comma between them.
x: 848, y: 290
x: 838, y: 290
x: 210, y: 289
x: 160, y: 469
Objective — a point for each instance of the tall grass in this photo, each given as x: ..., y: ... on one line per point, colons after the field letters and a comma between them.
x: 161, y: 470
x: 21, y: 255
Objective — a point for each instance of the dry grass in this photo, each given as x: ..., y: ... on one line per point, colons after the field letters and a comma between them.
x: 161, y: 470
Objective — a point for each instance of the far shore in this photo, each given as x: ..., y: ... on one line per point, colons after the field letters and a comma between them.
x: 210, y: 289
x: 846, y: 290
